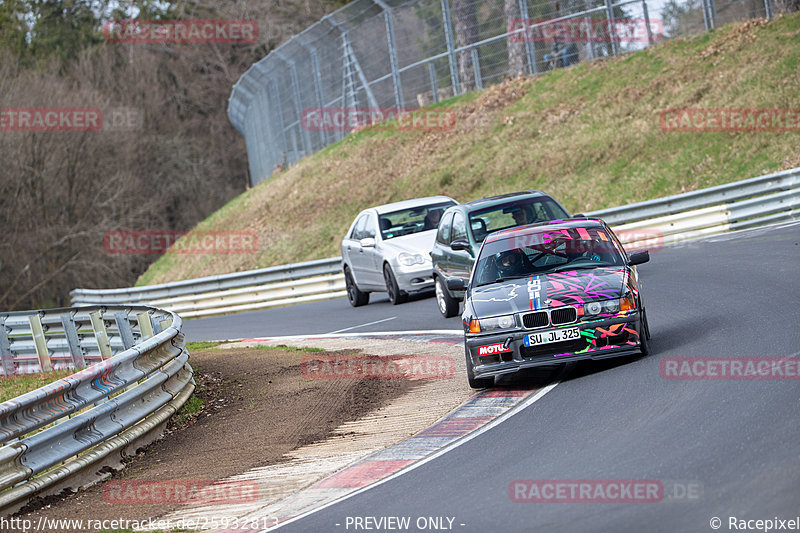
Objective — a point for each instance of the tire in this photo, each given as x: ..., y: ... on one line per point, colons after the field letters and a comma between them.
x: 396, y: 296
x: 644, y: 335
x: 448, y: 306
x: 476, y: 383
x: 356, y: 297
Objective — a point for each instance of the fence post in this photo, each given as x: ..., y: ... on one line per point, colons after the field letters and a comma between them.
x: 768, y: 8
x: 451, y: 50
x: 530, y: 48
x: 276, y: 95
x: 323, y: 135
x: 40, y: 342
x: 398, y: 88
x: 298, y: 109
x: 434, y: 83
x: 101, y: 334
x: 611, y: 29
x: 647, y: 22
x: 476, y: 66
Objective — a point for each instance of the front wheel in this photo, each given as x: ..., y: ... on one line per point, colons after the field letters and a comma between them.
x: 356, y: 297
x: 448, y: 306
x: 396, y: 296
x: 476, y: 383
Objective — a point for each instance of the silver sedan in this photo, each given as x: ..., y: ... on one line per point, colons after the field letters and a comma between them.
x: 387, y: 249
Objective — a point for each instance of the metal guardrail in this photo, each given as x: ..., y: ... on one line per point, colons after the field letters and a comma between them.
x: 61, y: 435
x: 749, y: 203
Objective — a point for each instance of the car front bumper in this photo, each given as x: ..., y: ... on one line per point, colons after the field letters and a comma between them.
x: 414, y: 278
x: 599, y: 339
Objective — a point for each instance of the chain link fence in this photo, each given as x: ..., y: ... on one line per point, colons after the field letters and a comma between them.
x: 377, y: 58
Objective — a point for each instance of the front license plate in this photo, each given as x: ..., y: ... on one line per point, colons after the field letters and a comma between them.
x: 553, y: 335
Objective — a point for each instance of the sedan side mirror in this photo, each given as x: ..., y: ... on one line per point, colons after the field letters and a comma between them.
x: 456, y: 284
x: 367, y: 242
x: 461, y: 245
x: 637, y: 258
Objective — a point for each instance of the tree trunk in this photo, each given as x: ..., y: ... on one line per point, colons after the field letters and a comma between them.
x: 466, y: 29
x: 516, y: 43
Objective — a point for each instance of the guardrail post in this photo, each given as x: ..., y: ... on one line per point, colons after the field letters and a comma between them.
x: 73, y: 341
x: 145, y: 326
x: 156, y: 325
x: 398, y: 87
x: 40, y: 342
x: 476, y: 66
x: 100, y: 334
x: 6, y: 357
x: 124, y: 327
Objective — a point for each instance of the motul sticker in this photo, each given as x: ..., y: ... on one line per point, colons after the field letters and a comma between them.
x: 493, y: 349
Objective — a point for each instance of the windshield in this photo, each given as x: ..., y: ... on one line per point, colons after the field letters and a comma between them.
x: 515, y: 213
x: 413, y: 220
x: 544, y: 252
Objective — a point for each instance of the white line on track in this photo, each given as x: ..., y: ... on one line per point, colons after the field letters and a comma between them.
x: 361, y: 325
x: 483, y: 429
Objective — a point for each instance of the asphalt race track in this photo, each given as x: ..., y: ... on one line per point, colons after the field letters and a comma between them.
x: 720, y: 448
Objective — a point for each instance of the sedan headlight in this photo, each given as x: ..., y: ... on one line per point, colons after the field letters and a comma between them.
x: 492, y: 324
x: 407, y: 259
x: 609, y: 307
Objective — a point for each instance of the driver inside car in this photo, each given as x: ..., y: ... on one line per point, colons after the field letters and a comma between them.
x: 512, y: 263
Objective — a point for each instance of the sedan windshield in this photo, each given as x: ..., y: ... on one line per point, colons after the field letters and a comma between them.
x: 555, y: 250
x: 514, y: 213
x: 414, y: 220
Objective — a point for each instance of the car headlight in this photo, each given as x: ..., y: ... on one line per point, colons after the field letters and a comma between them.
x: 609, y: 307
x: 493, y: 324
x: 407, y: 259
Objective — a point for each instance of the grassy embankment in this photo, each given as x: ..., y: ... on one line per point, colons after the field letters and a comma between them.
x: 589, y: 135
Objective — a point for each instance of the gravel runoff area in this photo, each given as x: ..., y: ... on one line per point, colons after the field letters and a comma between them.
x: 277, y: 418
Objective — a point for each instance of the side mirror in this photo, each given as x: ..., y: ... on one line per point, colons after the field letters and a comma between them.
x: 456, y: 284
x: 637, y: 258
x: 367, y: 242
x: 461, y: 245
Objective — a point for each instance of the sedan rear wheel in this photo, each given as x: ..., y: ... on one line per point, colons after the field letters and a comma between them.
x: 357, y: 298
x: 396, y: 296
x: 448, y: 305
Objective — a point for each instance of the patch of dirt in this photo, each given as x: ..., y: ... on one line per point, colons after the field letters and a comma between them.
x: 258, y: 407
